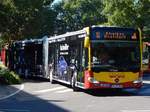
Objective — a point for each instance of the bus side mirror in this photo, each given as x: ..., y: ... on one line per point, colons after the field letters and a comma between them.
x: 86, y: 42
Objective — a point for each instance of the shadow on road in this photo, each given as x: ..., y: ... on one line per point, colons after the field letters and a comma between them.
x: 25, y: 102
x: 109, y: 92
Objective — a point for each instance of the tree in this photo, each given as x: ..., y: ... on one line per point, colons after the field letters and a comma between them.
x: 143, y: 17
x: 7, y: 9
x: 76, y: 14
x: 129, y: 13
x: 26, y: 19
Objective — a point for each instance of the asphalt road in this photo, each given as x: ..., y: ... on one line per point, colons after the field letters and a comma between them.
x: 41, y: 96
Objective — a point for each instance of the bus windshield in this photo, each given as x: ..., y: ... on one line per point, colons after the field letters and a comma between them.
x: 115, y: 56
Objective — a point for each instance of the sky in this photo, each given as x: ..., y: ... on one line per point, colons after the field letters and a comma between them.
x: 56, y: 1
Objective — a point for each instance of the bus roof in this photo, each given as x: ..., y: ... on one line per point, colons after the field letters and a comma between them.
x: 68, y: 34
x: 83, y: 31
x: 112, y: 27
x: 29, y: 41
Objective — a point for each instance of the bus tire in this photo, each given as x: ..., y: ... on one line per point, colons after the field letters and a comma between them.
x: 51, y: 77
x: 73, y: 82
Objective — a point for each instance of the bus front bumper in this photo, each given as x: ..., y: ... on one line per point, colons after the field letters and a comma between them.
x: 92, y: 84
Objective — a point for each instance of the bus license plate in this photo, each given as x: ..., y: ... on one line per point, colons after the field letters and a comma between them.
x: 116, y: 86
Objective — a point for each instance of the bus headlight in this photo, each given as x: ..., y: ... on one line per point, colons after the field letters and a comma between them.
x: 92, y: 80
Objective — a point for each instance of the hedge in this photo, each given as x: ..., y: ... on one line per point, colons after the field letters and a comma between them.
x: 8, y: 77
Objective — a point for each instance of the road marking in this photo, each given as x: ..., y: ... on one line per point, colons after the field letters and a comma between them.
x: 21, y: 88
x: 49, y: 90
x: 146, y: 82
x: 64, y: 91
x: 135, y: 111
x: 13, y: 110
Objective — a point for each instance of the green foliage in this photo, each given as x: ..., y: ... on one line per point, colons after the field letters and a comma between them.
x: 21, y: 19
x: 8, y: 77
x: 129, y: 13
x: 76, y: 14
x: 26, y: 18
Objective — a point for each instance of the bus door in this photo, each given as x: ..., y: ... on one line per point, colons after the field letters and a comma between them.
x: 52, y: 59
x: 77, y: 59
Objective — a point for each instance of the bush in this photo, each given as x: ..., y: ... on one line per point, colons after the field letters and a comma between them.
x: 8, y: 77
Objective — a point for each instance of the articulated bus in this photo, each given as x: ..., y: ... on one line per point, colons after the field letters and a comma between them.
x: 96, y: 57
x: 26, y: 57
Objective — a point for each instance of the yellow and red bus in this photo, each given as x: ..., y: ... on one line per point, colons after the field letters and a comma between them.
x: 97, y: 57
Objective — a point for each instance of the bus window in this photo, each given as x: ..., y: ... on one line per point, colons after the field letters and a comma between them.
x: 114, y: 56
